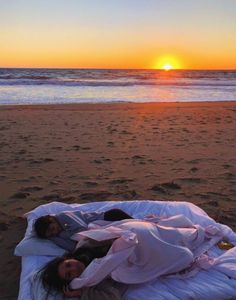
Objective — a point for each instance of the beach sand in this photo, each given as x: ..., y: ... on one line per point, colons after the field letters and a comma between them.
x: 83, y: 153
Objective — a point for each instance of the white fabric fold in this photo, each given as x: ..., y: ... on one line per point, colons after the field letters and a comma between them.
x: 145, y: 250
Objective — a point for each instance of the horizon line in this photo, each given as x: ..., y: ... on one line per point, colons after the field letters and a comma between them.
x: 92, y: 68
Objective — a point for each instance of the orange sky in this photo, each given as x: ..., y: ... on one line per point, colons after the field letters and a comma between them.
x: 125, y: 34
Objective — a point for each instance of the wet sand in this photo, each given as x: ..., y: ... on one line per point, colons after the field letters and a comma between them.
x: 95, y: 152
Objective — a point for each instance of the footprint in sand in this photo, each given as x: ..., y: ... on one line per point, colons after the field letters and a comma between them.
x: 3, y: 226
x: 76, y: 147
x: 91, y: 183
x: 228, y: 175
x: 226, y: 166
x: 20, y: 195
x: 194, y: 161
x: 110, y: 144
x: 31, y: 189
x: 41, y: 161
x: 99, y: 196
x: 120, y: 181
x: 101, y: 160
x: 140, y: 159
x: 194, y: 169
x: 202, y: 196
x: 68, y: 199
x: 164, y: 187
x: 51, y: 197
x: 97, y: 161
x: 213, y: 203
x: 2, y: 177
x: 191, y: 180
x: 22, y: 151
x: 128, y: 195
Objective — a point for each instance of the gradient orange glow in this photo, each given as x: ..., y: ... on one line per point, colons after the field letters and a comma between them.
x: 118, y: 34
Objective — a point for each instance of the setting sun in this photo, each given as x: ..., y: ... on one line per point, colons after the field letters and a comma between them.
x: 167, y: 62
x: 167, y: 67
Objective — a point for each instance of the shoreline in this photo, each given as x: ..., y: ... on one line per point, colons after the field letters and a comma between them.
x: 78, y: 153
x: 116, y: 104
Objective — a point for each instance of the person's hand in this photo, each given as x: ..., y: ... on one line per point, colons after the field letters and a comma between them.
x: 71, y: 293
x: 83, y: 242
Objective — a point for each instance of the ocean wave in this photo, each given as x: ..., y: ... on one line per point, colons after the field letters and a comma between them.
x: 19, y: 77
x: 109, y: 83
x: 117, y: 78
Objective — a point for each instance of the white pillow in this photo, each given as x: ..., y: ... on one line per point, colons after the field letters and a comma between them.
x: 36, y: 246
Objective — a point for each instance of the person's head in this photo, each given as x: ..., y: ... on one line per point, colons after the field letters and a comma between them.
x: 47, y: 226
x: 60, y: 271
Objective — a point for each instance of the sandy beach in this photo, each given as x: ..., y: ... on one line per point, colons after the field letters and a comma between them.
x: 95, y: 152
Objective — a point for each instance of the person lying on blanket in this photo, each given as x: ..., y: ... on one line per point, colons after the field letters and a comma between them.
x: 60, y: 228
x: 134, y: 251
x: 59, y: 272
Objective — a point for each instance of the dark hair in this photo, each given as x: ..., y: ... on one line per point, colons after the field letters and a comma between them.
x: 50, y: 276
x: 41, y: 225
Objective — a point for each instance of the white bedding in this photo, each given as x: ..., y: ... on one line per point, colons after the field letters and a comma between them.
x: 207, y: 284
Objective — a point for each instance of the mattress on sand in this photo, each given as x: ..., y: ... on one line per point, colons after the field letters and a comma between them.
x: 207, y: 284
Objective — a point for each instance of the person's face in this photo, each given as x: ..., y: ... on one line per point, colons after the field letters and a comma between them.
x: 70, y: 269
x: 53, y: 229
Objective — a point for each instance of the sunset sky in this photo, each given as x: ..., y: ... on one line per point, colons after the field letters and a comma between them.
x: 189, y: 34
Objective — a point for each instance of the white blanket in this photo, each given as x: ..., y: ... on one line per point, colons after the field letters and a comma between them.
x: 207, y: 284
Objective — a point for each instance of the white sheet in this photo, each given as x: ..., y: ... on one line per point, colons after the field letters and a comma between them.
x: 208, y: 284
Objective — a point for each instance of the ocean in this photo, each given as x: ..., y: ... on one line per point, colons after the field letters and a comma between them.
x: 54, y: 86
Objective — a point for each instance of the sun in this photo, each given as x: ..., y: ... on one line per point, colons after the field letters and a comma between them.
x: 167, y: 67
x: 167, y: 63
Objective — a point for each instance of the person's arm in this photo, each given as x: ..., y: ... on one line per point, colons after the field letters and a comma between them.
x: 64, y: 243
x: 105, y: 290
x: 89, y: 217
x: 116, y: 214
x: 71, y: 293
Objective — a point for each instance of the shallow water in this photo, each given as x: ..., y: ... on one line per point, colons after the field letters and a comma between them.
x: 44, y: 86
